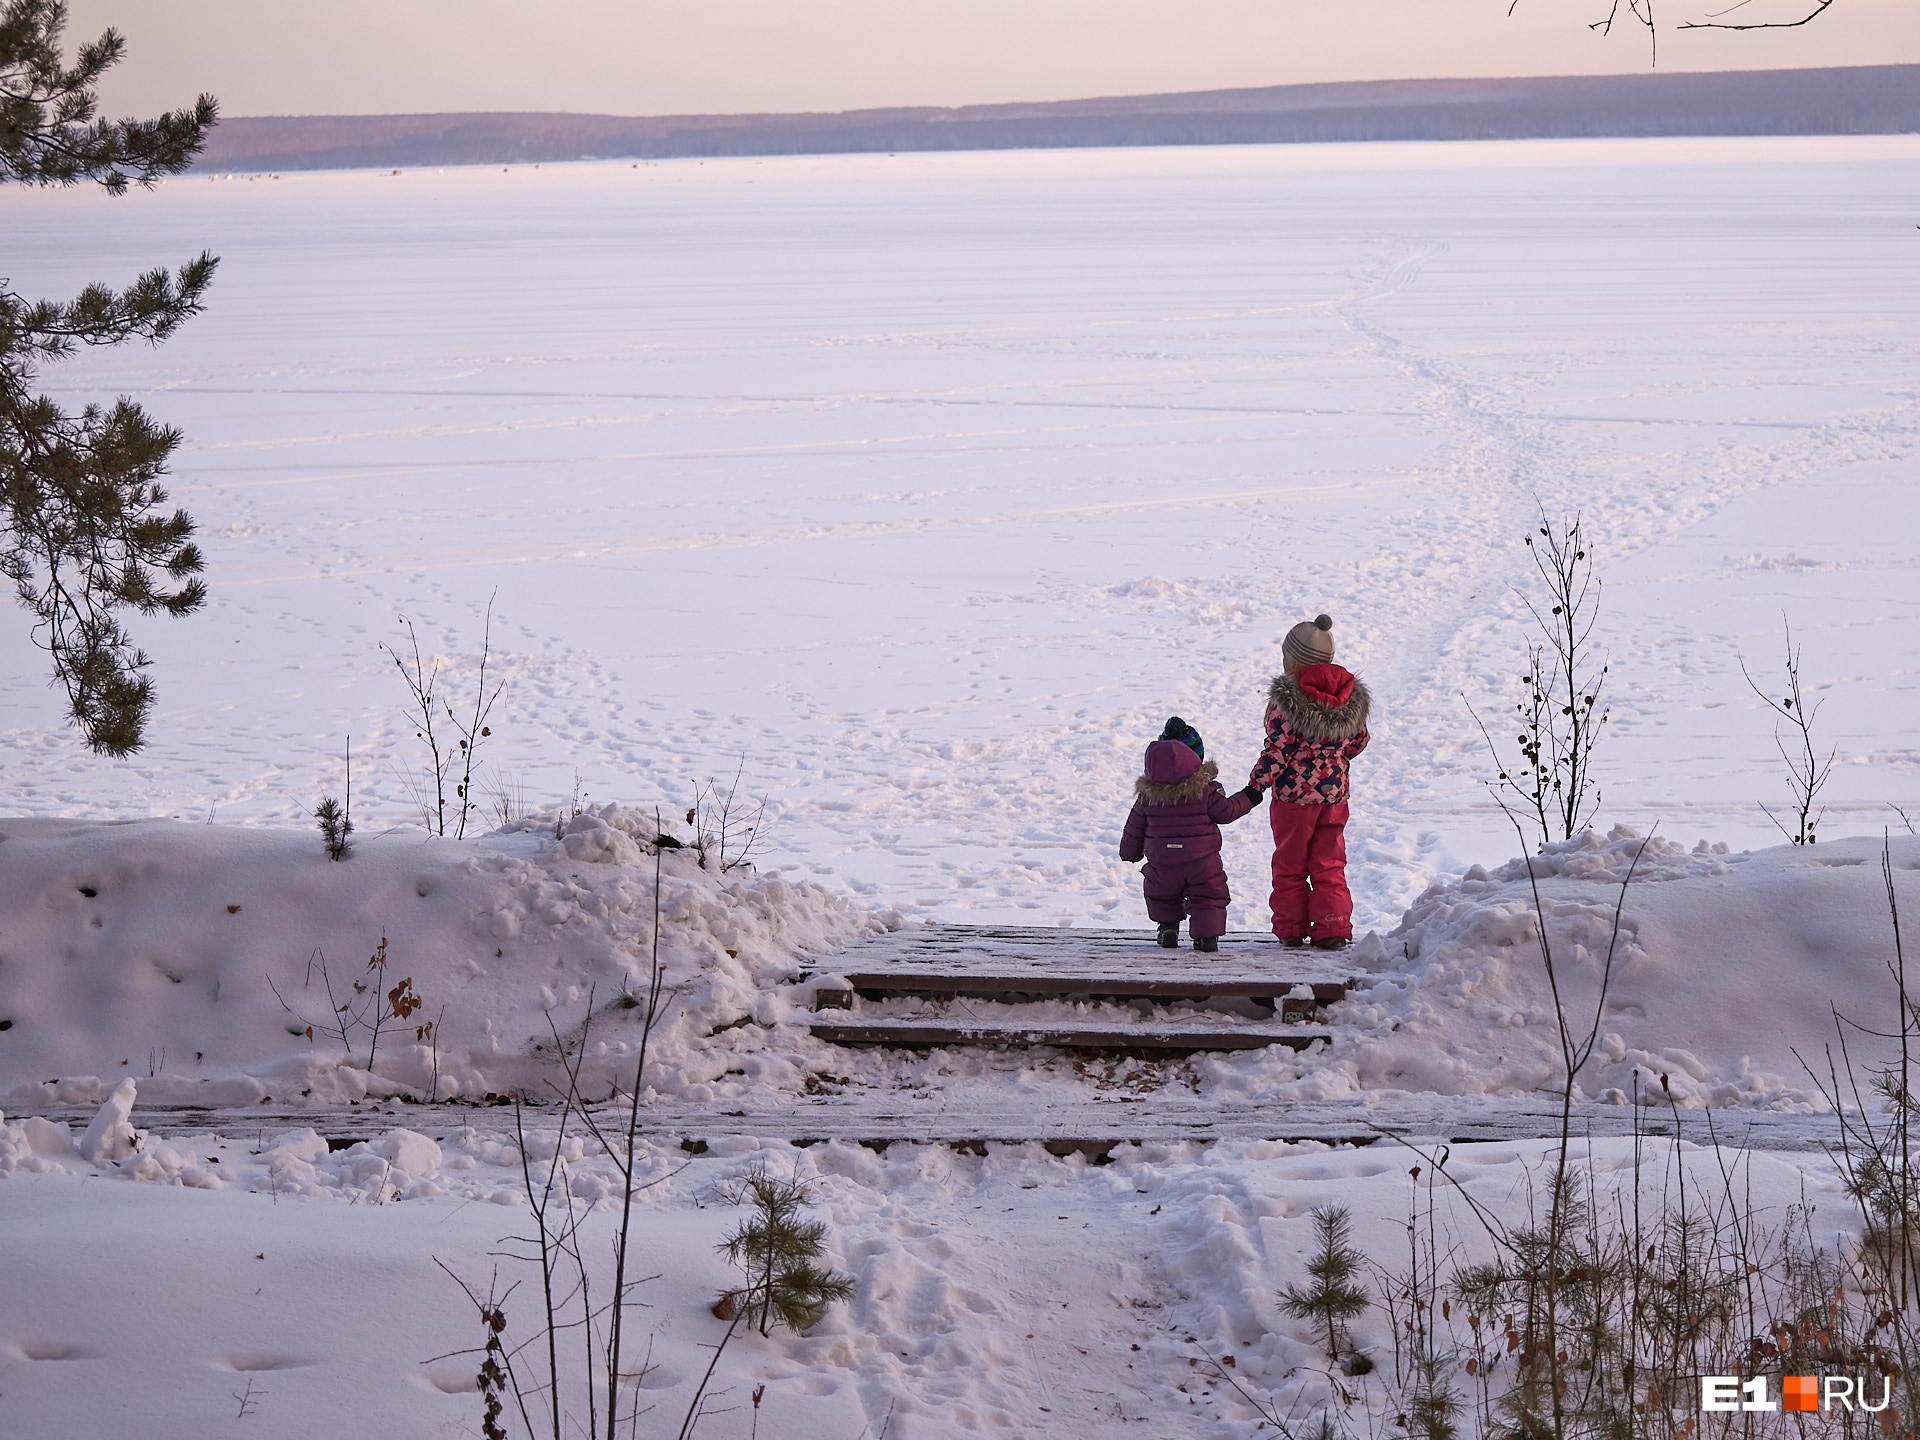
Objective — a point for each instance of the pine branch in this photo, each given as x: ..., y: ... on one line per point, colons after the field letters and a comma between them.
x: 84, y: 534
x: 50, y: 133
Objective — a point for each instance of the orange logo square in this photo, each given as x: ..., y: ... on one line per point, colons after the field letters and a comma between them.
x: 1799, y: 1392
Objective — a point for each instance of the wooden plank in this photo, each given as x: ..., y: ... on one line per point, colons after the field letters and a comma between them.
x: 1415, y: 1119
x: 1012, y: 961
x: 1079, y: 981
x: 1086, y: 1124
x: 1067, y: 1034
x: 1424, y: 1122
x: 1053, y: 943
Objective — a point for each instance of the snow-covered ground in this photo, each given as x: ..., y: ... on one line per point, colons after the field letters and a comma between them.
x: 928, y: 485
x: 169, y: 963
x: 1005, y: 1295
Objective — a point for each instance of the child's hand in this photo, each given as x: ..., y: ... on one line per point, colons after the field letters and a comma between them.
x: 1253, y: 793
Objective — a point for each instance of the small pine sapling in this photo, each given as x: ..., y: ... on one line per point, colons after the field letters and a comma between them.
x: 777, y: 1249
x: 1334, y: 1297
x: 336, y: 821
x: 1433, y: 1411
x: 335, y: 828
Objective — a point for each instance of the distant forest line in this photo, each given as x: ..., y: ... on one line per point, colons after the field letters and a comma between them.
x: 1860, y: 100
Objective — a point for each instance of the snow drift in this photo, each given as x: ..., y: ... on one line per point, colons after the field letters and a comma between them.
x: 1726, y: 976
x: 198, y: 959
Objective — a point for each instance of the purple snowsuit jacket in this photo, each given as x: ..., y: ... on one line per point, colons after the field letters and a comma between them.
x: 1178, y: 810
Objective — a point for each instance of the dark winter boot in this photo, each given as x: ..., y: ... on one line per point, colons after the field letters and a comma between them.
x: 1332, y: 942
x: 1293, y: 942
x: 1170, y: 937
x: 1206, y: 944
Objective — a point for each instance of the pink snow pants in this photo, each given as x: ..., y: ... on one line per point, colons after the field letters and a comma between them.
x: 1310, y: 896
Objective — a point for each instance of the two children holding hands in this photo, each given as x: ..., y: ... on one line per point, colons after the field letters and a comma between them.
x: 1316, y: 722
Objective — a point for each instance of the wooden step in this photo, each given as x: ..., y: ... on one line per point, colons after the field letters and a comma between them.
x: 1208, y: 1033
x: 1008, y: 962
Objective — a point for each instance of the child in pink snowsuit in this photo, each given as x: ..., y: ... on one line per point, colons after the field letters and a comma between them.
x: 1178, y: 810
x: 1316, y: 723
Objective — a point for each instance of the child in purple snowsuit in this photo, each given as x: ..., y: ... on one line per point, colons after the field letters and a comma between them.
x: 1178, y: 810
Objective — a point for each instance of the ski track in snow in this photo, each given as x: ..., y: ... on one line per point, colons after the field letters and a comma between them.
x: 928, y: 486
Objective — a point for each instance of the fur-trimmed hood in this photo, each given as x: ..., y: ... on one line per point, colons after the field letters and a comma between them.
x: 1179, y: 791
x: 1312, y: 720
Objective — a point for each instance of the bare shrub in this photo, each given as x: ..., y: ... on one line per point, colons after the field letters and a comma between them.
x: 364, y: 1007
x: 1561, y: 711
x: 1596, y: 1313
x: 725, y: 827
x: 1876, y: 1110
x: 453, y: 738
x: 1806, y: 770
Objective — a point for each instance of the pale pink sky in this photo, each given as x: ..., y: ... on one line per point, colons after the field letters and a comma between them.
x: 637, y: 57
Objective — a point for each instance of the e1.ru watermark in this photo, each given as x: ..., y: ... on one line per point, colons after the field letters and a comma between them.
x: 1797, y: 1392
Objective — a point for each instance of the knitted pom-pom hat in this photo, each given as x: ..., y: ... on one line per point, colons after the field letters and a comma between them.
x: 1309, y: 643
x: 1178, y: 729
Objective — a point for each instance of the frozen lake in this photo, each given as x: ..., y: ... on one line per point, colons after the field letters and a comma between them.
x: 930, y: 485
